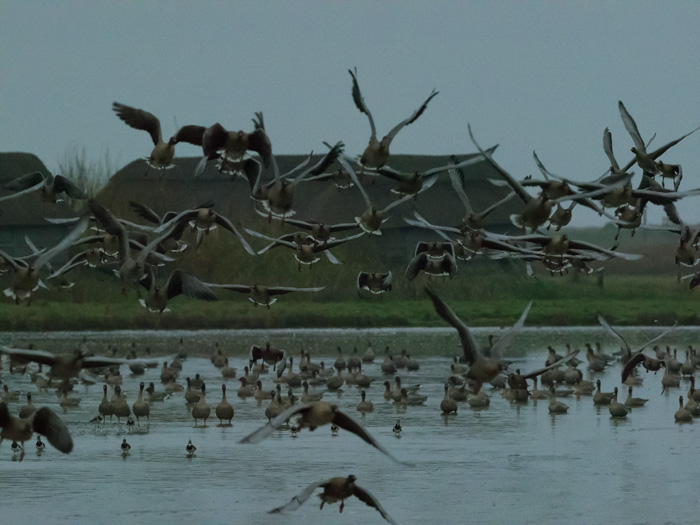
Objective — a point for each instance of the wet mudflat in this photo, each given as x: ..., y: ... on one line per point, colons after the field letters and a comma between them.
x: 509, y: 463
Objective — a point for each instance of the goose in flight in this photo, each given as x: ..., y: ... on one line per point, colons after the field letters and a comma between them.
x: 376, y: 283
x: 262, y: 295
x: 50, y: 187
x: 161, y: 157
x: 377, y: 152
x: 42, y: 421
x: 178, y: 283
x: 334, y: 489
x: 26, y: 274
x: 313, y: 415
x: 482, y: 369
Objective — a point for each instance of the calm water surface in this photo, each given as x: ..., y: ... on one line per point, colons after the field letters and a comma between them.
x: 510, y: 463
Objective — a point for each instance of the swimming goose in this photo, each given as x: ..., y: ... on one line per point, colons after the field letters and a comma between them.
x: 637, y: 357
x: 334, y: 489
x: 179, y: 282
x: 448, y: 404
x: 260, y: 394
x: 262, y: 295
x: 335, y: 382
x: 692, y: 391
x: 231, y: 146
x: 602, y: 398
x: 362, y: 380
x: 313, y: 415
x: 364, y: 405
x: 688, y: 367
x: 682, y: 415
x: 389, y: 395
x: 141, y: 407
x: 479, y: 400
x: 481, y: 368
x: 669, y: 380
x: 631, y: 402
x: 410, y: 399
x: 224, y: 410
x: 43, y: 421
x: 226, y: 371
x: 645, y: 160
x: 537, y: 394
x: 616, y: 408
x: 308, y: 397
x: 190, y: 448
x: 26, y: 275
x: 49, y: 185
x: 163, y: 152
x: 555, y: 406
x: 8, y: 395
x: 246, y: 389
x: 377, y: 152
x: 201, y: 409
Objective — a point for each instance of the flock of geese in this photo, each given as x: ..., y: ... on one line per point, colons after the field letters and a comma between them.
x: 138, y: 252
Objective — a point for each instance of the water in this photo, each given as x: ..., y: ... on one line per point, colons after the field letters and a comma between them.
x: 510, y: 463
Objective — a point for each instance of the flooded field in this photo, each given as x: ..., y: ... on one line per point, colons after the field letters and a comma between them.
x: 509, y: 463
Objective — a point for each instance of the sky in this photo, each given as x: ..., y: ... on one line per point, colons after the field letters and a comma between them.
x: 527, y: 75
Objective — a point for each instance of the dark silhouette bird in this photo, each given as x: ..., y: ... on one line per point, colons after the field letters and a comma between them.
x: 43, y: 421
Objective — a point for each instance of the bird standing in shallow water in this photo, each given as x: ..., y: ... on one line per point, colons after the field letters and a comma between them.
x: 125, y: 448
x: 190, y: 448
x: 397, y: 428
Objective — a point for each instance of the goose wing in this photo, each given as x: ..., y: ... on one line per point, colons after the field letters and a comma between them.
x: 265, y: 430
x: 500, y: 346
x: 469, y: 346
x: 360, y: 101
x: 298, y: 500
x: 48, y: 424
x: 183, y: 283
x: 368, y: 499
x: 346, y: 422
x: 631, y: 127
x: 410, y: 120
x: 139, y: 119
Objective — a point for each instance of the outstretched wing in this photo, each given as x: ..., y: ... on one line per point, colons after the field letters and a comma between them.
x: 469, y: 346
x: 417, y: 113
x: 298, y: 500
x: 371, y: 501
x: 48, y: 424
x: 503, y: 342
x: 346, y: 422
x: 360, y: 101
x: 631, y: 127
x: 265, y: 430
x: 139, y: 119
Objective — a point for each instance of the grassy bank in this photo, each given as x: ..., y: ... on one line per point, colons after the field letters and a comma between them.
x: 487, y: 301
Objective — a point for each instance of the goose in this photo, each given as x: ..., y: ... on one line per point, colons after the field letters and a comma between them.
x: 673, y: 365
x: 224, y: 410
x: 637, y: 357
x: 26, y: 278
x: 201, y: 409
x: 555, y: 406
x: 261, y: 394
x: 307, y: 397
x: 375, y: 283
x: 246, y: 389
x: 693, y: 407
x: 692, y: 392
x: 410, y: 399
x: 335, y: 382
x: 688, y: 367
x: 231, y: 146
x: 275, y: 408
x: 153, y: 395
x: 106, y: 408
x: 173, y: 244
x: 250, y: 377
x: 334, y: 489
x: 167, y: 374
x: 448, y: 404
x: 645, y: 160
x: 482, y: 369
x: 318, y: 231
x: 389, y: 395
x: 459, y: 394
x: 616, y: 408
x: 682, y: 415
x: 119, y: 404
x: 190, y: 448
x: 340, y: 363
x: 412, y: 364
x: 190, y: 395
x: 227, y: 372
x: 178, y: 283
x: 28, y: 409
x: 10, y: 395
x: 125, y: 448
x: 377, y: 152
x: 388, y: 366
x: 313, y: 415
x: 372, y: 219
x: 631, y: 402
x: 362, y: 380
x: 479, y: 400
x: 163, y: 152
x: 364, y: 405
x: 277, y: 196
x: 49, y: 186
x: 537, y: 394
x: 669, y: 380
x: 43, y: 421
x: 141, y: 407
x: 602, y: 398
x: 261, y: 295
x: 269, y: 355
x: 66, y: 402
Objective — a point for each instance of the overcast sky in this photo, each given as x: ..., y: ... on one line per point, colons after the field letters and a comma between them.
x: 542, y: 76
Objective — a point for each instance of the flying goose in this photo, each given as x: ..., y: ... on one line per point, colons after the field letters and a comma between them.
x: 26, y: 275
x: 231, y: 146
x: 377, y: 152
x: 313, y: 415
x: 262, y: 295
x: 161, y: 158
x: 178, y: 283
x: 43, y: 421
x: 482, y: 369
x: 49, y: 185
x: 334, y: 489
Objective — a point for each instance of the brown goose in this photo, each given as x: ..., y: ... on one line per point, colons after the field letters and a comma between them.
x: 43, y: 421
x: 482, y: 369
x: 313, y: 415
x: 334, y: 489
x: 377, y: 152
x: 201, y: 409
x: 224, y: 410
x: 163, y: 152
x: 448, y: 404
x: 262, y: 295
x: 50, y: 186
x: 178, y: 283
x: 141, y: 407
x: 376, y: 283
